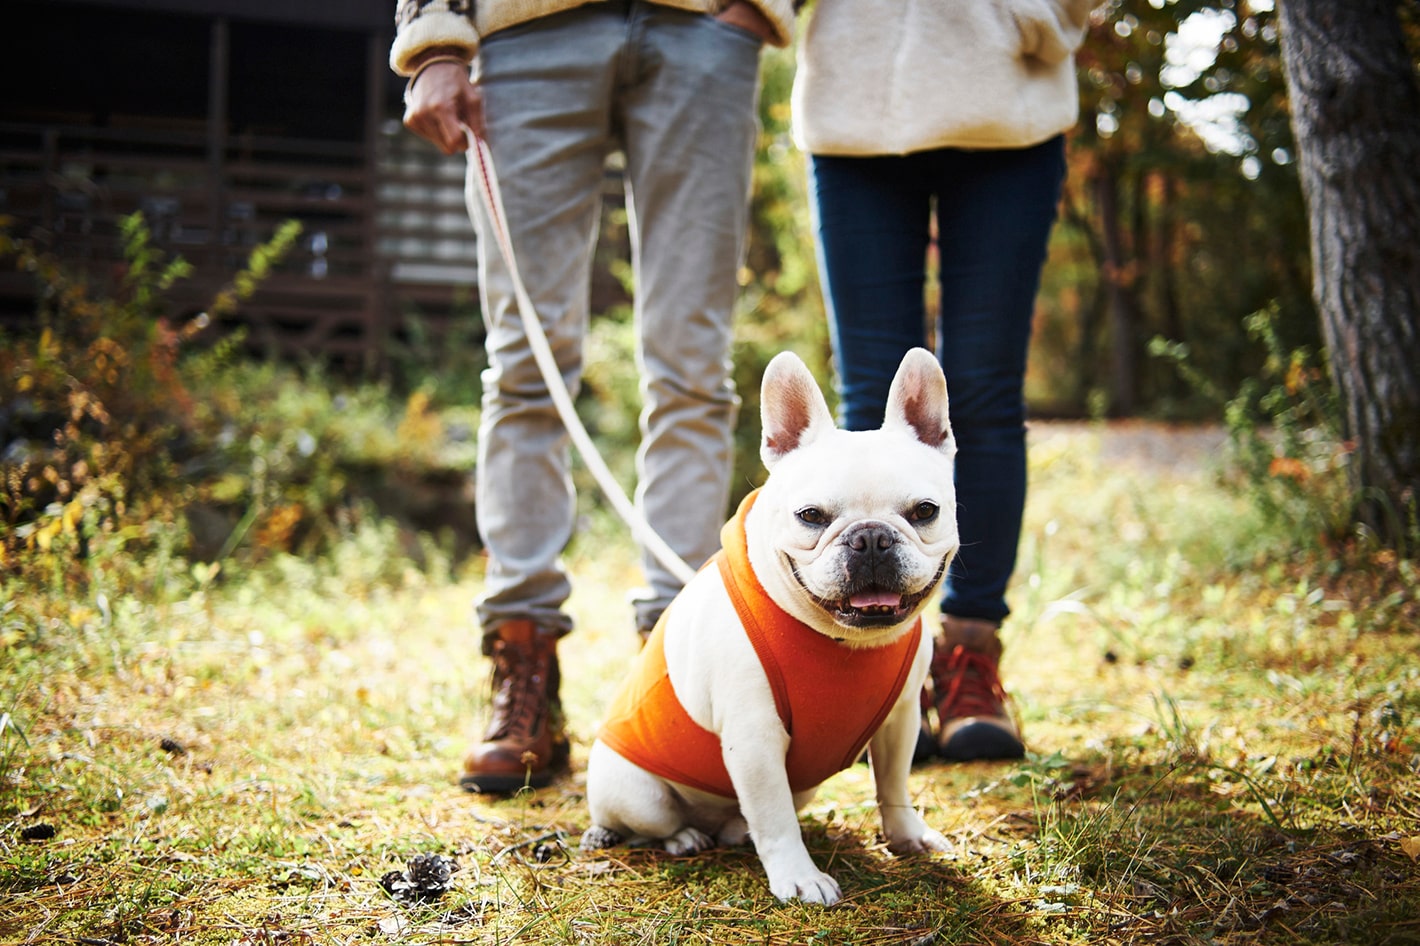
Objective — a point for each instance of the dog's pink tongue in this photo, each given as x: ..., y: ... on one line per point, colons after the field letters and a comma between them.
x: 875, y: 599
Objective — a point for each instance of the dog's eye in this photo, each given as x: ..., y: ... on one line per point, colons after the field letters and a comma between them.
x: 923, y: 512
x: 812, y: 516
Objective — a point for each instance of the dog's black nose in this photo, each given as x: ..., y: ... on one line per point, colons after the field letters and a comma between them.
x: 870, y: 537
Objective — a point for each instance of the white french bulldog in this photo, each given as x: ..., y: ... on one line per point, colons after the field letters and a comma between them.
x: 795, y: 648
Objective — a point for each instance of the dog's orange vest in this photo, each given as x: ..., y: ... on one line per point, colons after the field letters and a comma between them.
x: 831, y: 698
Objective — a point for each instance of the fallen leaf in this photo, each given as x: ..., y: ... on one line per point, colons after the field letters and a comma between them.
x: 1288, y: 468
x: 394, y: 925
x: 1411, y: 847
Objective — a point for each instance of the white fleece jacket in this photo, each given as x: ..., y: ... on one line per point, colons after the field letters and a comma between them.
x: 420, y: 24
x: 898, y: 76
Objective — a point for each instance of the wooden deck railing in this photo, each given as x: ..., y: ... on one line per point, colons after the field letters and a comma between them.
x: 382, y: 234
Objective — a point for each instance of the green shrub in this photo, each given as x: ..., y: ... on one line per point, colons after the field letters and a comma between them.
x: 100, y: 414
x: 1285, y: 431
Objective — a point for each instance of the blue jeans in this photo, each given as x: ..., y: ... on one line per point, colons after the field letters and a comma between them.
x: 994, y: 211
x: 676, y: 91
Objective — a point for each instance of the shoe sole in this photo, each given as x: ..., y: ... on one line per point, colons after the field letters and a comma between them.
x: 981, y: 742
x: 509, y: 784
x: 503, y: 784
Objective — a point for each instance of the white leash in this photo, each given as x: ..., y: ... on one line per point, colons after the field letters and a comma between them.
x: 547, y: 364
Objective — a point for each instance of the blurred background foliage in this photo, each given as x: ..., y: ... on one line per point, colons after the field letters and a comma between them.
x: 1177, y: 288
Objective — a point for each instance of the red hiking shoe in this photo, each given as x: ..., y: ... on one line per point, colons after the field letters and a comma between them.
x: 966, y: 691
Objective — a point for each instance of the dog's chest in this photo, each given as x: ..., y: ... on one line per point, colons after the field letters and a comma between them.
x: 830, y: 698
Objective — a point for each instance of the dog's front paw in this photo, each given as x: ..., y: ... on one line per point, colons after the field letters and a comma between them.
x: 817, y: 887
x: 596, y: 837
x: 688, y: 841
x: 928, y: 842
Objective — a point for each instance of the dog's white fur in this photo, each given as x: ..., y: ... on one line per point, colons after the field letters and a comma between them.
x: 885, y: 480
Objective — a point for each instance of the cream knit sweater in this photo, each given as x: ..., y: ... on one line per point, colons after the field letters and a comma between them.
x: 424, y: 23
x: 898, y: 76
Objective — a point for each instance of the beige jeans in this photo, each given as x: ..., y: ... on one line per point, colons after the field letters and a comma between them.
x: 677, y: 92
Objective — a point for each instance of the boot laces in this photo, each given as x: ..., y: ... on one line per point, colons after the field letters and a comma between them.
x: 519, y: 692
x: 973, y: 684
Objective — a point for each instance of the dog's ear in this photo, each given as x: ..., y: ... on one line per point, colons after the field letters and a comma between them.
x: 917, y: 400
x: 791, y: 408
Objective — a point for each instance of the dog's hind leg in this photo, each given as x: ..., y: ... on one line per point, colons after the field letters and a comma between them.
x: 629, y: 804
x: 597, y: 837
x: 688, y: 840
x: 734, y: 832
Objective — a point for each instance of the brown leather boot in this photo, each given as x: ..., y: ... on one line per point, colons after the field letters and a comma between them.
x: 972, y: 721
x: 525, y: 744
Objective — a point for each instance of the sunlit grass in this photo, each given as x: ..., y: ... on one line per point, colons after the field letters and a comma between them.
x: 1224, y: 749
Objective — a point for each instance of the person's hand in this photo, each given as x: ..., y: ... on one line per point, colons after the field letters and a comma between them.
x: 748, y: 17
x: 441, y: 104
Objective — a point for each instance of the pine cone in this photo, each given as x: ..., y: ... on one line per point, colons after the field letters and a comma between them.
x: 431, y: 872
x: 426, y: 878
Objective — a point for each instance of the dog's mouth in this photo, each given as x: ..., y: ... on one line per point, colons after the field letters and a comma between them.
x: 872, y: 607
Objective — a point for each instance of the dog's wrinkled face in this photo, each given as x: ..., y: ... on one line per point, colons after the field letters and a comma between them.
x: 868, y: 567
x: 854, y: 531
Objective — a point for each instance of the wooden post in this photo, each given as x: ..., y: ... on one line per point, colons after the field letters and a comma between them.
x: 218, y: 76
x: 380, y: 321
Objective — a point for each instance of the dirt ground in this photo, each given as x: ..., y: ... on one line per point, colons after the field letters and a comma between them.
x: 1148, y: 444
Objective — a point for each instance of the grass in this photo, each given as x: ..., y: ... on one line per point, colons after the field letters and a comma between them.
x: 1224, y: 750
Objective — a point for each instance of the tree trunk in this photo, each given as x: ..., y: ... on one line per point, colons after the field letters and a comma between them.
x: 1164, y: 268
x: 1119, y: 290
x: 1356, y: 116
x: 1090, y: 314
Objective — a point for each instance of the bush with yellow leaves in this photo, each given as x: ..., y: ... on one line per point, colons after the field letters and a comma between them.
x: 95, y: 411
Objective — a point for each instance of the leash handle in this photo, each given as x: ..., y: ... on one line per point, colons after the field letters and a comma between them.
x: 542, y: 353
